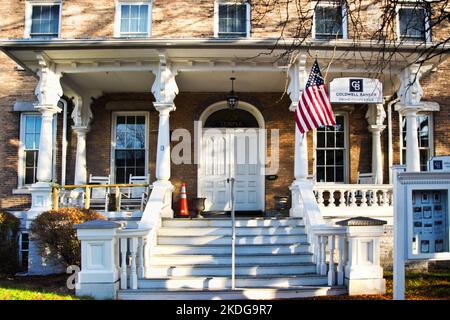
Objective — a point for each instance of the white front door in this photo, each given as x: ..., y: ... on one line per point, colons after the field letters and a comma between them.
x: 232, y: 153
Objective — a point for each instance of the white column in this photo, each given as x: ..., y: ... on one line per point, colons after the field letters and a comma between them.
x: 412, y: 142
x: 48, y: 92
x: 410, y: 94
x: 301, y: 156
x: 45, y: 155
x: 80, y: 159
x: 375, y: 116
x: 163, y: 150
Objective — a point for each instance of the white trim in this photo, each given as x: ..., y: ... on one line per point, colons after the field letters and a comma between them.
x: 29, y: 4
x: 430, y: 137
x: 258, y: 116
x: 330, y: 3
x: 21, y: 187
x: 118, y: 15
x: 413, y: 5
x: 248, y: 22
x: 347, y: 170
x: 113, y: 139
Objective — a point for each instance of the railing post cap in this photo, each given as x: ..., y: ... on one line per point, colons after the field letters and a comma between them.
x: 361, y: 222
x: 98, y: 224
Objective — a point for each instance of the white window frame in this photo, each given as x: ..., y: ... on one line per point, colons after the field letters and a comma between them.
x: 430, y: 138
x: 118, y: 15
x: 113, y: 139
x: 29, y: 4
x: 346, y: 151
x: 248, y: 23
x: 412, y: 4
x: 330, y: 3
x: 20, y: 170
x: 21, y: 250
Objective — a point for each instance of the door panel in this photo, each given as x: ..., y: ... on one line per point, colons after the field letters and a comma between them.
x: 228, y: 153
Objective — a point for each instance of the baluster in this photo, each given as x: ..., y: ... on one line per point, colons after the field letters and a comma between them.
x: 141, y: 257
x: 331, y: 199
x: 123, y: 267
x: 341, y: 198
x: 87, y: 201
x: 385, y: 199
x: 352, y: 198
x: 133, y: 273
x: 320, y: 201
x: 364, y: 198
x: 323, y: 247
x: 340, y: 267
x: 331, y: 267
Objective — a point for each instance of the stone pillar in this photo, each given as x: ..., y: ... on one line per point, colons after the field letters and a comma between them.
x: 375, y: 117
x: 80, y: 158
x: 48, y: 92
x: 99, y: 276
x: 363, y: 271
x: 410, y: 94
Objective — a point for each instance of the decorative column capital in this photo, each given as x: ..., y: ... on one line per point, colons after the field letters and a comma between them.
x: 82, y: 114
x: 297, y: 79
x: 375, y: 115
x: 48, y: 90
x: 80, y: 130
x: 164, y: 108
x: 47, y: 110
x: 165, y: 87
x: 410, y: 91
x: 376, y: 129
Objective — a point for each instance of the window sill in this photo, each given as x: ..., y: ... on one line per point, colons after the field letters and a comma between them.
x: 22, y: 190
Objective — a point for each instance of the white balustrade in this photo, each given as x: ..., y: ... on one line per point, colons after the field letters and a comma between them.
x: 353, y: 195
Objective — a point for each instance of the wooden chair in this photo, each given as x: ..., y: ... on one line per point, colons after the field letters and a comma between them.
x: 134, y: 198
x: 99, y: 197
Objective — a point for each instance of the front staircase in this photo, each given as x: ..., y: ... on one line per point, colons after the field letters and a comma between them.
x: 192, y: 260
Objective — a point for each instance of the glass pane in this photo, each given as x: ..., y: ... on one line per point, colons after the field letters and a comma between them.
x: 134, y: 12
x: 424, y: 157
x: 29, y: 124
x: 329, y: 174
x: 330, y: 140
x: 412, y: 23
x: 29, y: 176
x: 340, y: 142
x: 36, y: 12
x: 38, y: 124
x: 140, y: 158
x: 120, y: 158
x: 120, y: 175
x: 339, y: 158
x: 129, y: 172
x: 320, y: 157
x: 329, y: 157
x: 320, y: 174
x: 140, y: 171
x: 29, y: 141
x: 339, y: 174
x: 339, y: 123
x: 125, y: 12
x: 134, y: 23
x: 45, y: 13
x: 320, y: 139
x: 120, y: 136
x: 29, y: 159
x: 130, y: 160
x: 328, y: 21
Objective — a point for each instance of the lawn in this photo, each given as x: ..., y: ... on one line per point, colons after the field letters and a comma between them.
x: 36, y: 288
x: 419, y: 286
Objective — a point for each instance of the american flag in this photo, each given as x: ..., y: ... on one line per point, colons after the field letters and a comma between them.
x: 314, y: 108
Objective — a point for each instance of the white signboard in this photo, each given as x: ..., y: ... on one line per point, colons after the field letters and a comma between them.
x: 356, y: 90
x: 439, y: 164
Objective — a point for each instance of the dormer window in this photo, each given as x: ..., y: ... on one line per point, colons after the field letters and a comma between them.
x: 42, y: 20
x: 133, y: 19
x: 232, y: 19
x: 412, y: 23
x: 329, y: 20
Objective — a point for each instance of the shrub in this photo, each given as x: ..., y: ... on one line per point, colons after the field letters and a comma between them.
x: 55, y: 236
x: 9, y: 247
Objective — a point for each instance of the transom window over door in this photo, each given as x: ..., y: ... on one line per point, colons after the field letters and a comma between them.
x: 233, y: 19
x: 45, y: 21
x: 130, y: 150
x: 331, y: 152
x: 134, y: 20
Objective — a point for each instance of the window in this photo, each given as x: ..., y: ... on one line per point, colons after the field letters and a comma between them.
x: 24, y: 245
x: 134, y: 20
x: 412, y: 23
x: 233, y: 19
x: 30, y: 132
x: 329, y: 20
x: 130, y: 146
x: 43, y: 20
x: 425, y: 137
x: 331, y: 152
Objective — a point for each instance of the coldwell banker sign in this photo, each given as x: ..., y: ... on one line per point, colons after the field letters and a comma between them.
x: 356, y: 90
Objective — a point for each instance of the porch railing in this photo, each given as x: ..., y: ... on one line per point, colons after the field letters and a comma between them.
x: 58, y: 193
x: 353, y: 195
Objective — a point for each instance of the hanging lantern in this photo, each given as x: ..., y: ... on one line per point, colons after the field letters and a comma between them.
x: 232, y: 98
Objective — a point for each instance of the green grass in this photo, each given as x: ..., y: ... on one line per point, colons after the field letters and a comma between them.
x: 36, y: 288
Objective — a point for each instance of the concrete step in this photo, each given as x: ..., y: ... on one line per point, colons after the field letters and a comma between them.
x: 239, y: 294
x: 225, y: 282
x: 220, y: 239
x: 241, y: 231
x: 274, y: 249
x: 178, y: 260
x: 225, y: 270
x: 187, y: 223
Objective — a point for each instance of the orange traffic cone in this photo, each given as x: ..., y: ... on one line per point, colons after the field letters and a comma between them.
x: 183, y: 201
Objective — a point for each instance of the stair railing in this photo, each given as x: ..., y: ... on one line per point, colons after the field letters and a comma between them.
x: 233, y: 237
